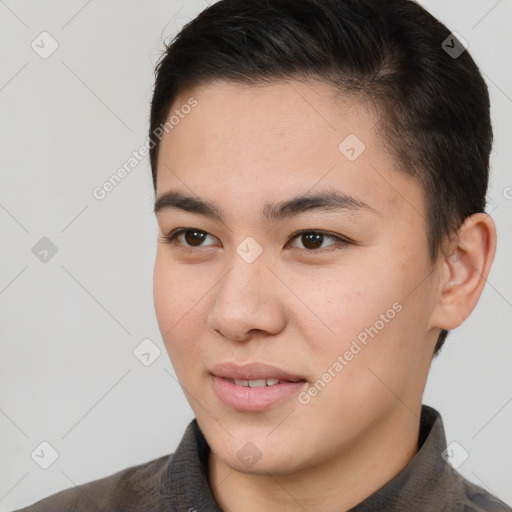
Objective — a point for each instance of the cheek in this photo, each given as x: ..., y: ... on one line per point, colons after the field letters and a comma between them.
x: 177, y: 308
x: 176, y: 290
x: 164, y: 294
x: 372, y: 323
x: 341, y: 302
x: 356, y: 368
x: 380, y: 329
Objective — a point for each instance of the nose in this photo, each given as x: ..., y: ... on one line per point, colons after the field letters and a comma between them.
x: 247, y: 301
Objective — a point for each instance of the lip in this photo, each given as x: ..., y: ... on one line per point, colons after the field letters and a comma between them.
x: 247, y: 399
x: 252, y: 371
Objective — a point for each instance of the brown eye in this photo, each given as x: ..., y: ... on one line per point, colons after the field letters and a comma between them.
x: 313, y: 241
x: 187, y: 237
x: 194, y: 238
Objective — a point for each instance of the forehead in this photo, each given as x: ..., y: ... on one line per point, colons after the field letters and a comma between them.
x: 288, y: 117
x: 255, y: 143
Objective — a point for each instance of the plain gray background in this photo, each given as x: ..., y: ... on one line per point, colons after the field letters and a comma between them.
x: 69, y: 326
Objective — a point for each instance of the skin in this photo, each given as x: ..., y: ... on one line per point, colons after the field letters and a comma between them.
x: 242, y: 147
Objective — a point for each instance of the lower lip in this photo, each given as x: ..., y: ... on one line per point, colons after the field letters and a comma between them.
x: 244, y: 398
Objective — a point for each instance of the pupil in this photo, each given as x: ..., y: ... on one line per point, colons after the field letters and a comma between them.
x: 198, y: 236
x: 312, y: 238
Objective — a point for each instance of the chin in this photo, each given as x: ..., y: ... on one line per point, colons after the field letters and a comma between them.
x: 258, y: 455
x: 277, y: 465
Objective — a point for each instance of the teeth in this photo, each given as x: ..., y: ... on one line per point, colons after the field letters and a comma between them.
x: 256, y: 383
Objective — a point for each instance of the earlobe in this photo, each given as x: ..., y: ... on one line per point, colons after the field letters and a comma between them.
x: 466, y: 265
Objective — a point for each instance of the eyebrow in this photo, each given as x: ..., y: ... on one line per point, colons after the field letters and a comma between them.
x: 325, y: 201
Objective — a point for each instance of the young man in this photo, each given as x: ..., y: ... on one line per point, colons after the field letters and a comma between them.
x: 320, y: 169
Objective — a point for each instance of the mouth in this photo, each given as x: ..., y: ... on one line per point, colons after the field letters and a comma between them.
x: 255, y: 386
x: 260, y: 383
x: 253, y: 374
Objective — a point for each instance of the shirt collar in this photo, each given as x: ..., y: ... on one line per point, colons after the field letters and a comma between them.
x: 424, y: 484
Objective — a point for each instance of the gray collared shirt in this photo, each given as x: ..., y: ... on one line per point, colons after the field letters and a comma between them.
x: 178, y: 483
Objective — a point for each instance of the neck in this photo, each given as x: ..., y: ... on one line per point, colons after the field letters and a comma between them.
x: 339, y: 483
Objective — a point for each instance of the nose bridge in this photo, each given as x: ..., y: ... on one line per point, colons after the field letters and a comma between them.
x: 243, y: 300
x: 247, y: 269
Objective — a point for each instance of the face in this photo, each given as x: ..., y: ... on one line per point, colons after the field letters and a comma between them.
x: 332, y: 300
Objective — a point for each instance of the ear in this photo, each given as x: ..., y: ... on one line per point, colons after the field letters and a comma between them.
x: 465, y: 267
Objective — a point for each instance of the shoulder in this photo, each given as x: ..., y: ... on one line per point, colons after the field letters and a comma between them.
x: 132, y: 489
x: 473, y: 498
x: 447, y: 486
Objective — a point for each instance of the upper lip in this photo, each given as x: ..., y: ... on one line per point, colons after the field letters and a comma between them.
x: 252, y: 371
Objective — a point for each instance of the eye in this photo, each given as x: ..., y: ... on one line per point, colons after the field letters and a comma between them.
x: 313, y: 240
x: 189, y: 238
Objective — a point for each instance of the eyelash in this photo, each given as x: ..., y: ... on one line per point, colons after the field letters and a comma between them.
x: 171, y: 239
